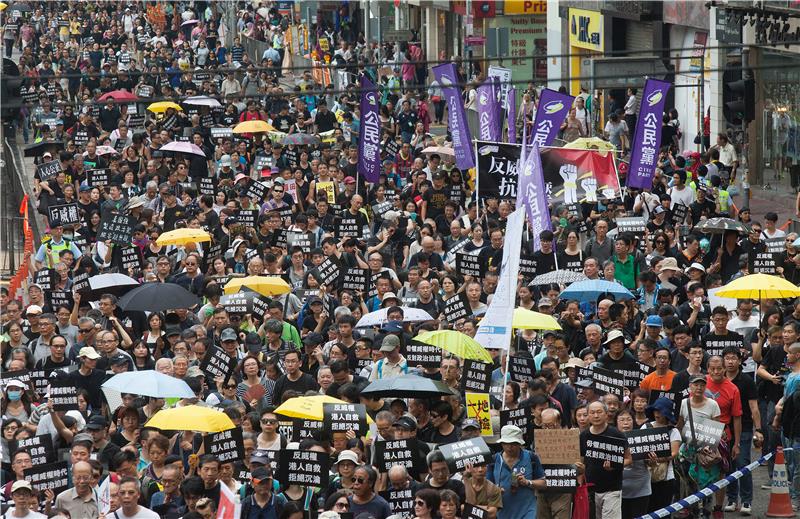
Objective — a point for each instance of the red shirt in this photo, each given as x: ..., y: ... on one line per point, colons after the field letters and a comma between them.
x: 727, y: 396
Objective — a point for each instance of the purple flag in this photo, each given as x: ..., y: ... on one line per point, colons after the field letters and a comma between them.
x: 369, y: 133
x: 512, y: 115
x: 446, y: 75
x: 647, y: 141
x: 552, y: 110
x: 488, y: 113
x: 531, y: 193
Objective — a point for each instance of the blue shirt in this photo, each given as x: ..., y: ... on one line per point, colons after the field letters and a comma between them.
x: 521, y: 504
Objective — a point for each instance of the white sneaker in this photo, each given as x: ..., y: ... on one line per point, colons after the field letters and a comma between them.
x: 745, y: 509
x: 730, y: 507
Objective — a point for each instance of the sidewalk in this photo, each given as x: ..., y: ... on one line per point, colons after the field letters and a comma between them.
x: 778, y: 198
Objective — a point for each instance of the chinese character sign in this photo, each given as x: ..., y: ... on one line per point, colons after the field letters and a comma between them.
x: 369, y: 133
x: 478, y: 408
x: 647, y: 140
x: 552, y: 110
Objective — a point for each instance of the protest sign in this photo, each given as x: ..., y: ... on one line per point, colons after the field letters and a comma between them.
x: 401, y: 502
x: 527, y: 266
x: 256, y: 191
x: 63, y: 395
x: 763, y: 263
x: 468, y: 264
x: 476, y: 376
x: 66, y: 214
x: 225, y: 445
x: 521, y: 369
x: 45, y: 278
x: 206, y: 186
x: 39, y: 447
x: 303, y: 468
x: 347, y: 226
x: 608, y: 381
x: 221, y: 133
x: 328, y: 271
x: 775, y: 245
x: 304, y: 429
x: 48, y: 170
x: 131, y: 257
x: 358, y: 280
x: 608, y: 448
x: 97, y: 177
x: 457, y: 307
x: 344, y: 417
x: 39, y: 381
x: 706, y: 432
x: 421, y: 354
x: 144, y: 91
x: 521, y: 417
x: 49, y: 476
x: 299, y: 239
x: 478, y: 407
x: 217, y: 363
x: 679, y: 212
x: 60, y: 298
x: 641, y: 442
x: 558, y: 446
x: 635, y: 225
x: 561, y: 479
x: 474, y: 512
x: 80, y: 283
x: 116, y: 227
x: 473, y: 452
x: 397, y: 452
x: 248, y: 217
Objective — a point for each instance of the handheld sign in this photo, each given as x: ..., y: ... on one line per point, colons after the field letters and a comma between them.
x: 608, y: 381
x: 48, y: 170
x: 634, y: 225
x: 356, y: 279
x: 299, y: 239
x: 763, y: 263
x: 248, y: 217
x: 144, y: 91
x: 561, y: 479
x: 457, y: 307
x: 474, y: 512
x: 303, y: 468
x: 706, y: 432
x: 478, y: 408
x: 345, y: 417
x: 206, y: 186
x: 304, y: 429
x: 116, y: 227
x: 468, y: 265
x: 217, y: 363
x: 347, y: 227
x: 225, y: 445
x: 473, y: 452
x: 45, y: 278
x: 775, y: 245
x: 63, y: 395
x: 679, y: 212
x: 328, y: 271
x: 97, y: 177
x: 131, y: 258
x: 641, y: 442
x: 558, y: 446
x: 607, y: 449
x: 40, y: 379
x: 67, y: 214
x: 521, y: 369
x: 421, y: 354
x: 256, y: 191
x: 397, y: 452
x: 50, y: 476
x: 60, y: 297
x: 521, y: 417
x: 527, y: 266
x: 401, y: 502
x: 39, y: 447
x: 476, y: 376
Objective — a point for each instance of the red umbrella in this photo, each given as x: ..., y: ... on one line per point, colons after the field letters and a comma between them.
x: 119, y: 95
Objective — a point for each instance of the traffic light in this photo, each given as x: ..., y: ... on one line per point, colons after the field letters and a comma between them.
x: 10, y: 90
x: 739, y: 96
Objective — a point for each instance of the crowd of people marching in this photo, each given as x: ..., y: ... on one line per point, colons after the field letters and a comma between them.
x: 700, y: 361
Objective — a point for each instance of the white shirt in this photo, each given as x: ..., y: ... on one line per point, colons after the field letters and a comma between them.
x: 142, y: 513
x: 777, y: 234
x: 683, y: 196
x: 727, y: 154
x: 30, y: 515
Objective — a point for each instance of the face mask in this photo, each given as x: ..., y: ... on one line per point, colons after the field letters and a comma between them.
x: 14, y: 396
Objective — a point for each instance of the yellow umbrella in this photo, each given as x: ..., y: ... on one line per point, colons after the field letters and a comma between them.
x: 183, y: 236
x: 308, y: 407
x: 191, y: 418
x: 590, y: 143
x: 529, y: 320
x: 162, y: 106
x: 264, y: 285
x: 457, y: 343
x: 3, y: 5
x: 759, y: 286
x: 254, y: 126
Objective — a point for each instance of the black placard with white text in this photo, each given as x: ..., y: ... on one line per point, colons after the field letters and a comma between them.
x: 459, y: 454
x: 303, y: 468
x: 421, y: 354
x: 476, y: 376
x: 225, y: 445
x: 50, y: 476
x: 641, y: 442
x: 345, y: 417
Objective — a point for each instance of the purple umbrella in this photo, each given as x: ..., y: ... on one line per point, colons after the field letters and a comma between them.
x: 183, y: 147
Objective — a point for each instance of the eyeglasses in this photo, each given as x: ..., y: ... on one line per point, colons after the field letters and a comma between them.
x: 420, y: 502
x: 278, y: 190
x: 359, y: 480
x: 342, y: 504
x: 269, y: 422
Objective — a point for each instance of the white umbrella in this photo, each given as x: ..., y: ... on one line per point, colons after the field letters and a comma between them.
x: 440, y: 150
x: 379, y: 317
x: 202, y: 101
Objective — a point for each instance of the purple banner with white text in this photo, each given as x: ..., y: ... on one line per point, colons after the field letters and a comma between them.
x: 446, y: 75
x: 369, y: 134
x: 551, y: 112
x: 532, y: 194
x: 647, y: 141
x: 488, y: 112
x: 512, y: 115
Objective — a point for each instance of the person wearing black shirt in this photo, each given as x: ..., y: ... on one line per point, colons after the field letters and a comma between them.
x: 719, y: 338
x: 87, y: 377
x: 284, y: 122
x: 605, y: 476
x: 491, y: 257
x: 407, y: 121
x: 293, y: 379
x: 545, y: 257
x: 58, y: 356
x: 444, y: 431
x: 435, y: 198
x: 324, y: 119
x: 618, y: 358
x: 109, y: 116
x: 701, y: 207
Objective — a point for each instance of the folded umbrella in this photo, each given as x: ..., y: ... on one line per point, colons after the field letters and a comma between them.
x: 157, y: 297
x: 380, y: 317
x: 149, y: 383
x: 183, y: 147
x: 407, y: 386
x: 116, y: 284
x: 191, y: 418
x: 591, y: 289
x: 202, y: 101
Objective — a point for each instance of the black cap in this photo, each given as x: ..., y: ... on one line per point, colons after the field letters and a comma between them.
x: 96, y: 422
x: 118, y: 359
x: 406, y: 423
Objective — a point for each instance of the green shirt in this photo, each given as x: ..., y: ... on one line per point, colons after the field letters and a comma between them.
x: 625, y: 272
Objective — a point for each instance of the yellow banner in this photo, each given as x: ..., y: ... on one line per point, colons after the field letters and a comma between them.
x: 478, y: 408
x: 586, y: 29
x: 525, y: 7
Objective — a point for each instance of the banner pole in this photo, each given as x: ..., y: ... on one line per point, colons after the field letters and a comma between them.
x: 477, y: 180
x: 506, y: 377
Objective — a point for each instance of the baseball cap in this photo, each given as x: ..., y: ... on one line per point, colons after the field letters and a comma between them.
x: 225, y: 160
x: 313, y: 300
x: 89, y: 353
x: 16, y: 383
x: 172, y: 330
x: 96, y: 422
x: 240, y: 176
x: 390, y: 342
x: 659, y: 210
x: 349, y: 180
x: 118, y: 359
x: 253, y: 342
x: 405, y: 422
x: 34, y: 309
x: 228, y: 334
x: 261, y: 473
x: 655, y: 321
x: 470, y: 423
x: 194, y: 372
x: 698, y: 266
x: 260, y: 456
x: 21, y: 485
x: 545, y: 301
x: 698, y: 378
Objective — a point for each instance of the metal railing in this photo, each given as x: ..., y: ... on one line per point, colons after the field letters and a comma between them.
x: 15, y: 185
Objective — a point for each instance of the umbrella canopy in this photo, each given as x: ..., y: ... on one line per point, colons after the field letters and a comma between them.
x: 590, y: 143
x: 720, y: 225
x: 191, y: 418
x: 591, y: 289
x: 156, y: 297
x: 254, y: 126
x: 116, y: 284
x: 379, y: 317
x: 308, y: 407
x: 440, y: 150
x: 162, y: 106
x: 103, y: 150
x: 759, y: 286
x: 300, y: 139
x: 183, y: 147
x: 149, y: 383
x: 119, y: 95
x: 264, y: 285
x: 525, y: 319
x: 38, y: 149
x: 561, y: 277
x: 21, y: 7
x: 190, y: 22
x: 183, y: 236
x: 3, y: 6
x: 407, y: 386
x: 202, y: 101
x: 457, y: 343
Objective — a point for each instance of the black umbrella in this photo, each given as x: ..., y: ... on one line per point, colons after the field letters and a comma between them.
x: 720, y: 226
x: 38, y: 149
x: 156, y: 297
x: 23, y: 8
x: 115, y: 284
x: 407, y: 386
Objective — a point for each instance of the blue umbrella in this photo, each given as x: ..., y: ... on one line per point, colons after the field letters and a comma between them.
x: 149, y: 383
x: 591, y: 289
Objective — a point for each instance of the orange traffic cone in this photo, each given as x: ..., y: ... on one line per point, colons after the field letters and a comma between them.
x: 780, y: 504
